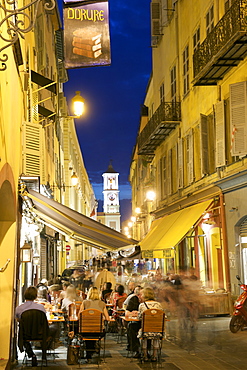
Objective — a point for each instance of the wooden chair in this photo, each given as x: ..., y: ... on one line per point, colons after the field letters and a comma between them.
x: 153, y: 327
x: 106, y: 297
x: 91, y: 328
x: 120, y: 302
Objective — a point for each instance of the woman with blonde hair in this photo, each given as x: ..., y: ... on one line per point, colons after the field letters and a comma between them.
x: 93, y: 301
x: 149, y: 302
x: 70, y: 297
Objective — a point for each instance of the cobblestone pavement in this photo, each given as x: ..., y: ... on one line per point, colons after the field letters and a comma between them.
x: 210, y: 346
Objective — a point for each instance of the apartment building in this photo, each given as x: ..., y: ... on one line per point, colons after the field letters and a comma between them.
x: 191, y: 146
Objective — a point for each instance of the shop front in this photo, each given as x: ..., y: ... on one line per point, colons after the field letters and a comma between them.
x: 191, y: 242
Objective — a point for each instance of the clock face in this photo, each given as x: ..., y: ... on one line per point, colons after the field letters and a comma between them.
x: 111, y: 197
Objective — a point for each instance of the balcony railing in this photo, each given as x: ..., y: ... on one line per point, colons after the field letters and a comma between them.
x: 165, y: 119
x: 224, y: 46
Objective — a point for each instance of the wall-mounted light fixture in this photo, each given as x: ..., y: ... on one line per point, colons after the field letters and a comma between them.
x: 74, y: 179
x: 36, y: 259
x: 150, y: 195
x: 26, y: 252
x: 78, y: 104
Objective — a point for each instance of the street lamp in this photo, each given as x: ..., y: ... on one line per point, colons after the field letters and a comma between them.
x: 150, y: 195
x: 26, y: 252
x: 78, y: 104
x: 74, y: 179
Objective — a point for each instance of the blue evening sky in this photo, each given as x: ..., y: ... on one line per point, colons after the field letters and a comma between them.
x: 114, y: 95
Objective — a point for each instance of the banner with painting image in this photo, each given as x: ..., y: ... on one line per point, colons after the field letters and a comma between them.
x: 86, y: 33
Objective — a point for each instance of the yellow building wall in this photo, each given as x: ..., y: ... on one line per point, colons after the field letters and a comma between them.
x: 11, y: 114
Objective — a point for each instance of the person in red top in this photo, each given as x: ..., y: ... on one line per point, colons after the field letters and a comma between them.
x: 118, y: 294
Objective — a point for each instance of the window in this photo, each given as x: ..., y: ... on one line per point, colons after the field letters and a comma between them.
x: 113, y: 225
x: 162, y: 93
x: 210, y: 20
x: 173, y: 84
x: 186, y: 69
x: 196, y: 39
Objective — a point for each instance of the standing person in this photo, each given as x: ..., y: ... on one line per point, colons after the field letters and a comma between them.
x: 133, y: 326
x: 93, y: 301
x: 30, y: 295
x: 149, y: 302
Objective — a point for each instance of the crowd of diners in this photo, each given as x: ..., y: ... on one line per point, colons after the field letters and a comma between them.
x: 178, y: 292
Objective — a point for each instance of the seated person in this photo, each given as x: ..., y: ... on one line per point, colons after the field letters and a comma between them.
x: 30, y: 295
x: 93, y: 301
x: 106, y: 290
x: 63, y: 292
x: 70, y: 297
x: 118, y: 294
x: 148, y: 302
x: 133, y: 326
x: 43, y: 291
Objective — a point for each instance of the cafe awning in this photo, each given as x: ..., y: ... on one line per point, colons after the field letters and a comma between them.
x: 76, y: 225
x: 168, y: 231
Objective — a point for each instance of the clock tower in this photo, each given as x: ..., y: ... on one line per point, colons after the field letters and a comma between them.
x: 111, y: 198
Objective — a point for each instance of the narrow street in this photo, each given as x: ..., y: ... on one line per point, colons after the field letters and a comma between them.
x: 215, y: 348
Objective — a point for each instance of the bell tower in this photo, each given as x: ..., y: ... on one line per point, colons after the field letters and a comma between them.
x: 111, y: 198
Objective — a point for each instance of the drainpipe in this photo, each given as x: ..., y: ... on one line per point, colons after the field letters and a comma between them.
x: 225, y: 245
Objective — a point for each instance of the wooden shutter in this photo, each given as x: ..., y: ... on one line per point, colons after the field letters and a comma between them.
x: 169, y: 170
x: 164, y: 177
x: 156, y: 17
x: 43, y: 258
x: 32, y: 149
x: 220, y: 134
x: 204, y: 144
x: 159, y: 179
x: 40, y: 43
x: 189, y: 156
x: 180, y: 168
x: 238, y: 118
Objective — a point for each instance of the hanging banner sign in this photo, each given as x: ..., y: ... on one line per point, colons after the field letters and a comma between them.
x: 86, y: 33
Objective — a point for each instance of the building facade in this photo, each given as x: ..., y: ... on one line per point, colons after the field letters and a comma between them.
x: 39, y: 153
x: 191, y: 146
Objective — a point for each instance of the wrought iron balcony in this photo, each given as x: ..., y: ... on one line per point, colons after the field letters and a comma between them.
x: 165, y: 119
x: 224, y: 47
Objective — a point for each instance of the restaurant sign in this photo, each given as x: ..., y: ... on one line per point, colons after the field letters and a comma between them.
x: 86, y: 33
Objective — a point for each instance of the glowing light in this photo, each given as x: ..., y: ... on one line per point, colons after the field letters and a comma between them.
x: 150, y: 195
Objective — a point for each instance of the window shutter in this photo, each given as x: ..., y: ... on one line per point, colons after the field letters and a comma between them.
x: 169, y: 170
x: 220, y: 134
x: 43, y: 258
x: 164, y: 177
x: 40, y: 43
x: 180, y: 173
x: 204, y: 144
x: 159, y: 179
x: 190, y: 152
x: 155, y: 17
x: 238, y: 118
x: 32, y: 149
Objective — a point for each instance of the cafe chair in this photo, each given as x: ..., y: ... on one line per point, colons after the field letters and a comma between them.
x: 92, y: 333
x: 119, y: 302
x: 107, y: 297
x: 33, y: 327
x: 152, y: 329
